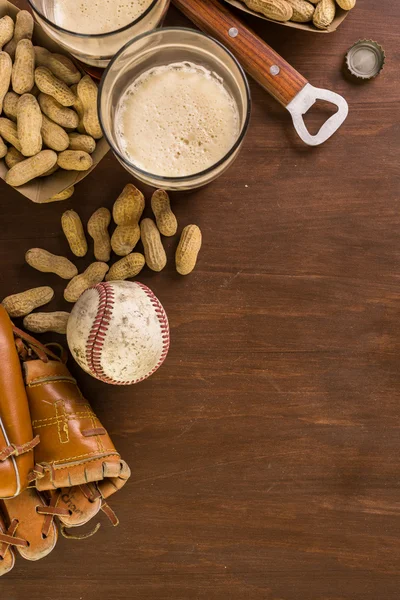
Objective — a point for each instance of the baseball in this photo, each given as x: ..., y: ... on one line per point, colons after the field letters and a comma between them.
x: 118, y: 332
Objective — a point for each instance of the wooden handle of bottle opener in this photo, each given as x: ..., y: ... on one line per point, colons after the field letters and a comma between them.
x: 269, y: 69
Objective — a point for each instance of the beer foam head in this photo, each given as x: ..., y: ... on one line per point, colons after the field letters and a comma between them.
x: 177, y: 120
x: 97, y: 16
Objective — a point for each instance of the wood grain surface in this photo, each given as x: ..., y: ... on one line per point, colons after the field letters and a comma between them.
x: 265, y: 452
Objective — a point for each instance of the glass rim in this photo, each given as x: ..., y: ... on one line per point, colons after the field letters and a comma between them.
x: 93, y: 35
x: 230, y: 152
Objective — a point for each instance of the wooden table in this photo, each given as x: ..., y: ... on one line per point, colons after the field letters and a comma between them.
x: 265, y: 452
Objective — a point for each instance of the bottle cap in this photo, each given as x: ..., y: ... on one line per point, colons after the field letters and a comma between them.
x: 365, y: 59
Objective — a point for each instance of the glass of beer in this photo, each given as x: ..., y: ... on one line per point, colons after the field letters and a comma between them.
x: 94, y: 30
x: 174, y: 105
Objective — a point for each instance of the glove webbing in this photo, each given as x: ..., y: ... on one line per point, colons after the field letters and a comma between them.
x: 9, y: 538
x: 50, y: 511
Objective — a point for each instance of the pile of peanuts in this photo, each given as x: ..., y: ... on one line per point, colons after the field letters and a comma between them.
x: 127, y: 212
x: 320, y: 12
x: 48, y: 111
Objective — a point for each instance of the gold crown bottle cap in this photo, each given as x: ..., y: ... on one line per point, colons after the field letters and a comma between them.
x: 365, y: 59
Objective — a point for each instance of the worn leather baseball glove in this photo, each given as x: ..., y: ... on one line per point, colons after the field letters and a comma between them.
x: 57, y: 462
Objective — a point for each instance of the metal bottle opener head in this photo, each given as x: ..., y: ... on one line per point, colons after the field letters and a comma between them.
x: 303, y: 101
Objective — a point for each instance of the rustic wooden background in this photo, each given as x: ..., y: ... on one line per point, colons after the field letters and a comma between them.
x: 265, y: 452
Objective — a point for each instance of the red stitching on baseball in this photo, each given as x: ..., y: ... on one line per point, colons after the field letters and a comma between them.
x: 95, y: 342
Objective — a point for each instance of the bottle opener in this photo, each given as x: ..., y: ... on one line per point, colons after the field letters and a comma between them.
x: 266, y: 66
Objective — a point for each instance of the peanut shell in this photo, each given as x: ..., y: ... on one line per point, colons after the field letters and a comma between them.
x: 23, y: 71
x: 165, y: 218
x: 74, y: 160
x: 129, y: 206
x: 98, y: 230
x: 154, y: 252
x: 32, y: 167
x: 29, y: 125
x: 3, y: 149
x: 54, y: 136
x: 302, y: 11
x: 46, y: 262
x: 13, y: 157
x: 324, y: 13
x: 125, y: 238
x: 346, y: 4
x: 54, y: 87
x: 42, y: 322
x: 73, y: 230
x: 64, y: 195
x: 65, y: 117
x: 5, y: 76
x: 188, y: 249
x: 279, y: 10
x: 19, y: 305
x: 78, y: 141
x: 6, y: 30
x: 87, y: 93
x: 10, y: 103
x: 93, y: 275
x: 8, y: 131
x: 127, y: 267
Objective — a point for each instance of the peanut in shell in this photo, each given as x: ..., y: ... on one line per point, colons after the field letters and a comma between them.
x: 6, y: 30
x: 9, y: 133
x: 302, y: 11
x: 5, y: 76
x: 346, y: 4
x: 129, y: 206
x: 29, y: 125
x: 3, y: 149
x: 93, y: 275
x: 46, y: 262
x: 127, y: 267
x: 64, y: 195
x: 54, y: 87
x: 32, y: 167
x: 79, y: 141
x: 23, y: 71
x: 10, y: 103
x: 324, y: 13
x: 125, y: 238
x: 98, y: 231
x: 43, y: 322
x: 74, y: 160
x: 73, y: 230
x: 19, y: 305
x: 188, y: 249
x: 154, y: 252
x: 13, y: 157
x: 54, y: 136
x: 278, y: 10
x: 87, y: 94
x: 65, y: 117
x: 165, y: 218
